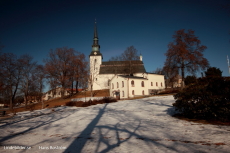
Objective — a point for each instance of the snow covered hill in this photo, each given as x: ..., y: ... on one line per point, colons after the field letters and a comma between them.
x: 142, y: 125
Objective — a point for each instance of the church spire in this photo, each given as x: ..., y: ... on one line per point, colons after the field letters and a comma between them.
x: 95, y: 46
x: 95, y: 29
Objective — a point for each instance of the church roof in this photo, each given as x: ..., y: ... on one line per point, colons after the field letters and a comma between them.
x: 122, y: 67
x: 132, y: 77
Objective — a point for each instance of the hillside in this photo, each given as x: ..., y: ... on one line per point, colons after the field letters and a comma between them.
x: 61, y: 101
x: 141, y: 125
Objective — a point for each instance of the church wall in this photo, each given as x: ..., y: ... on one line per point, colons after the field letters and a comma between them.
x: 157, y: 81
x: 138, y: 89
x: 95, y: 62
x: 128, y: 90
x: 122, y: 88
x: 101, y: 81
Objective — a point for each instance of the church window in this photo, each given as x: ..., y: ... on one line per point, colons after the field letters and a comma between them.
x: 108, y: 82
x: 123, y: 94
x: 122, y: 83
x: 133, y: 92
x: 151, y: 83
x: 143, y: 92
x: 96, y: 79
x: 142, y: 83
x: 132, y: 83
x: 156, y: 84
x: 117, y: 85
x: 112, y: 86
x: 95, y: 61
x: 161, y: 84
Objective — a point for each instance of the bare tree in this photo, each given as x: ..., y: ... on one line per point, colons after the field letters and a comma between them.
x: 185, y: 53
x: 171, y: 76
x: 40, y: 77
x: 58, y: 67
x: 79, y: 70
x: 158, y: 71
x: 27, y: 83
x: 130, y: 54
x: 126, y: 63
x: 63, y: 68
x: 11, y: 74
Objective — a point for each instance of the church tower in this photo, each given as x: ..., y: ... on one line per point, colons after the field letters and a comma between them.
x: 95, y: 47
x: 95, y: 57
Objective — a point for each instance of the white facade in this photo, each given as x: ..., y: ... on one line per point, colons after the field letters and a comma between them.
x: 99, y: 81
x: 101, y: 76
x: 131, y: 86
x: 55, y: 93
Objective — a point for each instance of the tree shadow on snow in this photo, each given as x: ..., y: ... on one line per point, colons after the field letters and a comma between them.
x: 171, y: 111
x: 27, y: 123
x: 79, y: 143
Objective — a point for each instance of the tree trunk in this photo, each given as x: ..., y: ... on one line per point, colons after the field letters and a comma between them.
x: 91, y: 92
x: 62, y: 92
x: 11, y: 100
x: 76, y: 86
x: 72, y: 88
x: 182, y: 75
x: 130, y: 69
x: 25, y: 99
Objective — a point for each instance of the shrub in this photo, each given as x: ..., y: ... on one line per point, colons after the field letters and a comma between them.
x: 90, y: 102
x: 213, y: 72
x: 170, y: 91
x: 70, y: 103
x: 189, y: 80
x: 209, y: 98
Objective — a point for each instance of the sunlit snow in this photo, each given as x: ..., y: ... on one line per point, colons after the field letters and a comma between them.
x: 142, y: 125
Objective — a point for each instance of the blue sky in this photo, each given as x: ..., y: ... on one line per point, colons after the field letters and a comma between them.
x: 35, y: 27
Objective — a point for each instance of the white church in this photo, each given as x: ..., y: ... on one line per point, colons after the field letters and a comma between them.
x: 124, y: 79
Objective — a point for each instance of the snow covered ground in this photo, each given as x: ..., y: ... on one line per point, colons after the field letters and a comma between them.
x: 142, y: 126
x: 86, y: 99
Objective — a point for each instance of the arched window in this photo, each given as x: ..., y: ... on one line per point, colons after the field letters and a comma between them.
x: 142, y: 83
x: 132, y: 83
x: 123, y: 94
x: 108, y: 82
x: 143, y: 92
x: 122, y: 83
x: 161, y: 84
x: 96, y: 79
x: 112, y: 86
x: 117, y: 85
x: 156, y: 84
x: 95, y: 61
x: 133, y: 92
x: 151, y: 83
